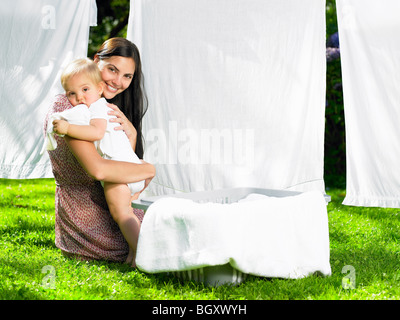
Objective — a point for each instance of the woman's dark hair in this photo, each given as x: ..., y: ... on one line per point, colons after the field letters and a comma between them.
x: 132, y: 101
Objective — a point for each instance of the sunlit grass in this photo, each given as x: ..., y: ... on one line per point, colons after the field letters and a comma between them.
x: 31, y: 267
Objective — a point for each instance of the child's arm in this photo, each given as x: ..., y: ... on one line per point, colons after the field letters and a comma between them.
x: 92, y: 132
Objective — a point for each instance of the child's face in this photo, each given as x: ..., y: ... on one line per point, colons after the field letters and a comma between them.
x: 82, y: 90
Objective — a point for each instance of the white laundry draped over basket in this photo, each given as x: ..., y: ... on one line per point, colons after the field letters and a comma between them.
x: 37, y: 39
x: 266, y: 236
x: 370, y: 56
x: 236, y: 92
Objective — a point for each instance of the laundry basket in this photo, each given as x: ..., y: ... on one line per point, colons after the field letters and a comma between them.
x: 229, y: 195
x: 219, y: 274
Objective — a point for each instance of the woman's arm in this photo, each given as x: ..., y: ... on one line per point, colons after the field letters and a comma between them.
x: 108, y: 170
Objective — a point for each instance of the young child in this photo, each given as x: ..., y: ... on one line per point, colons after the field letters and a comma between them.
x: 88, y: 120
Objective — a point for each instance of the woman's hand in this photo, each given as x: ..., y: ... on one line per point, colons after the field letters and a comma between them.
x: 146, y: 182
x: 125, y: 124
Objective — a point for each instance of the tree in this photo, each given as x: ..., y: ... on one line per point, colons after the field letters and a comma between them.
x: 112, y: 21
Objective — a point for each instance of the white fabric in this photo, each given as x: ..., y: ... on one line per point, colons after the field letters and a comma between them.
x: 79, y: 115
x: 265, y: 236
x: 370, y: 55
x: 37, y: 39
x: 114, y: 145
x: 236, y: 92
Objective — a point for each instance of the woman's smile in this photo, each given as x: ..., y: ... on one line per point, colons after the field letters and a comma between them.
x: 112, y: 89
x: 117, y: 72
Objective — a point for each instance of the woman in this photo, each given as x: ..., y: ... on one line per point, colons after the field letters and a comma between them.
x: 84, y: 227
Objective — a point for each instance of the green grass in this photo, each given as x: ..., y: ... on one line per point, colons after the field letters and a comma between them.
x: 31, y: 267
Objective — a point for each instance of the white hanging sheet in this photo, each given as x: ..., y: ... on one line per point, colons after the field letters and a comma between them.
x: 38, y: 38
x: 236, y: 92
x: 370, y: 56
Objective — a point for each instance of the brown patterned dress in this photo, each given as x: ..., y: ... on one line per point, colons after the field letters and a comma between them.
x: 84, y: 227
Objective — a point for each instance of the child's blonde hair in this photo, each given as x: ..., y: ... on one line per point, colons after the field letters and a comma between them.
x: 81, y: 65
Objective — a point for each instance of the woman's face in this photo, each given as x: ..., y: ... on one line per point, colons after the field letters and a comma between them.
x: 117, y: 73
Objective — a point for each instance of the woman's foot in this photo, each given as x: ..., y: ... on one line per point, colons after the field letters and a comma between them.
x: 131, y: 258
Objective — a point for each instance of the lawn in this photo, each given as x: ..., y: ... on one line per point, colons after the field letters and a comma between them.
x: 364, y: 242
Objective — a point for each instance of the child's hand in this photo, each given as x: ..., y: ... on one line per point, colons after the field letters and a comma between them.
x: 60, y: 126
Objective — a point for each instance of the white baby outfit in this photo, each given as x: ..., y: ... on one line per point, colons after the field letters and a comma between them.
x: 114, y: 145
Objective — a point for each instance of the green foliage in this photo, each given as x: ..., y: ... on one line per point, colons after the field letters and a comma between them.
x: 335, y: 144
x: 331, y: 20
x: 112, y: 21
x: 32, y: 268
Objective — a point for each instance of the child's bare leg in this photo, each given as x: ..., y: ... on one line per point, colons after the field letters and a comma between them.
x: 118, y: 198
